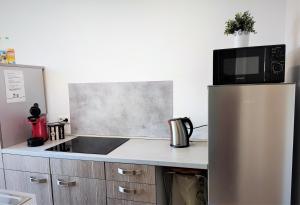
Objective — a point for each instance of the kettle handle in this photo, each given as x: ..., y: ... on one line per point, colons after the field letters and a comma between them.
x: 188, y: 121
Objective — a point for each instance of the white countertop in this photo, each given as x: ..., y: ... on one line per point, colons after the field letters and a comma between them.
x: 137, y: 151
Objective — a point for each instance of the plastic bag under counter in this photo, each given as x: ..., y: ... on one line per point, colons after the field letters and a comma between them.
x: 185, y: 189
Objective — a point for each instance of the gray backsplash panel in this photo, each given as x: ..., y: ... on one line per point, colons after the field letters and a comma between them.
x: 121, y: 109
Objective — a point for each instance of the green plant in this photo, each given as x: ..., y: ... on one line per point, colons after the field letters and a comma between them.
x: 243, y: 21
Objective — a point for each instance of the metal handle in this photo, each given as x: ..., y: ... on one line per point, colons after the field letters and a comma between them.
x: 129, y: 172
x: 37, y: 181
x: 64, y: 183
x: 126, y: 191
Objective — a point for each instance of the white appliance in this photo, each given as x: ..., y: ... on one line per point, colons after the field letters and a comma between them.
x: 251, y: 144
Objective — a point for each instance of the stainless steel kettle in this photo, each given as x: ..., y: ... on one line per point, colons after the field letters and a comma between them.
x: 179, y: 131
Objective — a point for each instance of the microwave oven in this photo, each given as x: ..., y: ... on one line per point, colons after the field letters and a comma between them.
x: 247, y: 65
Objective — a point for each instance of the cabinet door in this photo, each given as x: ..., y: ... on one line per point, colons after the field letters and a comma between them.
x: 34, y: 183
x: 77, y: 168
x: 26, y: 163
x: 78, y: 191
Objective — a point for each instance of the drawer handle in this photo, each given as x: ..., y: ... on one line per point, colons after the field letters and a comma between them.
x: 129, y: 172
x: 64, y: 183
x: 37, y: 181
x: 126, y: 191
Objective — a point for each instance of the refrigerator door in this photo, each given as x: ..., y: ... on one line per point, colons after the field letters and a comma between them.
x: 14, y: 128
x: 250, y: 144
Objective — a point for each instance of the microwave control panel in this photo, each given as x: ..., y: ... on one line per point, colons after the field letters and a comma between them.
x: 278, y: 59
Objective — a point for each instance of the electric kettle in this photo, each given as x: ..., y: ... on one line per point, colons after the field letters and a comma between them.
x: 180, y: 133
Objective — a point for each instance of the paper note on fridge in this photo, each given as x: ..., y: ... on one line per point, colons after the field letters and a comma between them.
x: 15, y: 89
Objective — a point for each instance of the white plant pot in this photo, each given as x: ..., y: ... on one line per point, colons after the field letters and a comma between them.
x: 241, y: 39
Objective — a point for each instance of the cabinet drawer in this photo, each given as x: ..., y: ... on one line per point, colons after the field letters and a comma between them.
x: 131, y: 191
x: 26, y: 163
x: 34, y: 183
x: 78, y: 191
x: 123, y: 202
x: 77, y: 168
x: 130, y: 173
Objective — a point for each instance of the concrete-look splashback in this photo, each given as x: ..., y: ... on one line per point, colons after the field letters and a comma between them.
x: 121, y: 109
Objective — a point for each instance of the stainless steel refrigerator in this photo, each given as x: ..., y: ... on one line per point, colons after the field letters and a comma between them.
x: 20, y: 87
x: 251, y: 144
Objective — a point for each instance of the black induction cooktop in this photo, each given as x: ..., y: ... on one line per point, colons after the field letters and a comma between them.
x: 89, y: 145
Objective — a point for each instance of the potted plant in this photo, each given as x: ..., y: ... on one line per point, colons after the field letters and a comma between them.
x: 241, y: 27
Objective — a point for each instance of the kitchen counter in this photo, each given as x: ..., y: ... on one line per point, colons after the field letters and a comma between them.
x: 137, y: 151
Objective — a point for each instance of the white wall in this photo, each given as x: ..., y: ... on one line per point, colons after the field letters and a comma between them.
x: 292, y: 37
x: 293, y: 75
x: 131, y: 40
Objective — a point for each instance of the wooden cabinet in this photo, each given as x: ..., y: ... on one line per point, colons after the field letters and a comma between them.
x: 130, y: 184
x: 77, y: 168
x: 26, y: 163
x: 35, y: 183
x: 78, y: 182
x: 130, y: 173
x: 78, y: 191
x: 131, y: 191
x: 28, y: 174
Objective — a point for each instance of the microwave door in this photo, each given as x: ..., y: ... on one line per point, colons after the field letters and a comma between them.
x: 242, y: 65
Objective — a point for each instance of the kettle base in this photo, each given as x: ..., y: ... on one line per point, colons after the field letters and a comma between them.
x: 179, y: 146
x: 35, y: 141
